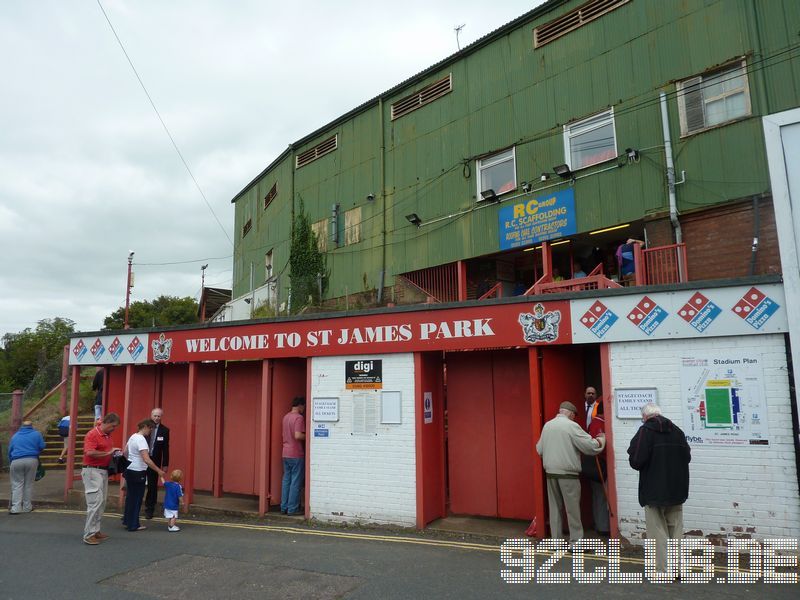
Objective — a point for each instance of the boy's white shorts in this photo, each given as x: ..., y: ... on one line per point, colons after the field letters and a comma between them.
x: 170, y: 514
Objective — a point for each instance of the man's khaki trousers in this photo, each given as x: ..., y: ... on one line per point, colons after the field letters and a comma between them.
x: 565, y: 493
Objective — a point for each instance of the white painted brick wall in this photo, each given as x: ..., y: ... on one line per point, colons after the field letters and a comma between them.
x: 732, y: 490
x: 367, y: 478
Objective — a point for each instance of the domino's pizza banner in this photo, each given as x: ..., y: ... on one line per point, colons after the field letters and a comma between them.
x: 125, y: 349
x: 708, y: 312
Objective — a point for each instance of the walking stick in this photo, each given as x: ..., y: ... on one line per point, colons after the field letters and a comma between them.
x: 603, y: 483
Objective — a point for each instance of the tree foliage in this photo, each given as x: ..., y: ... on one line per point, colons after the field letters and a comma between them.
x: 23, y: 353
x: 306, y: 264
x: 163, y: 311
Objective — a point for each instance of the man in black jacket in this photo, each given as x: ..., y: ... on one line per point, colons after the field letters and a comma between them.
x: 159, y: 453
x: 660, y: 453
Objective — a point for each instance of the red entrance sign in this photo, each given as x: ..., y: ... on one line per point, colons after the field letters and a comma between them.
x: 505, y: 325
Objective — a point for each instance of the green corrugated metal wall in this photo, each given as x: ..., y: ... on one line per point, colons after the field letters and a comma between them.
x: 506, y: 93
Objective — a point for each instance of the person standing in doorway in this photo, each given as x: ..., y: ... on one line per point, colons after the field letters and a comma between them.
x: 23, y: 456
x: 97, y: 388
x: 294, y: 472
x: 595, y: 424
x: 560, y: 445
x: 660, y: 453
x: 97, y: 453
x: 158, y: 446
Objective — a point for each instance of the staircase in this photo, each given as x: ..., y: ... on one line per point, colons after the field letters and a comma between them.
x: 54, y: 443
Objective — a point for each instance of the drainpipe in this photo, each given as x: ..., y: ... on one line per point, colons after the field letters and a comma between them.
x: 383, y: 203
x: 673, y: 203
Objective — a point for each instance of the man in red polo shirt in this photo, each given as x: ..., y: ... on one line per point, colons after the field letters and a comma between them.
x: 97, y: 453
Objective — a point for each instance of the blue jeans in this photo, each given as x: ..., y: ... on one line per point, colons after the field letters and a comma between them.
x: 135, y: 482
x: 294, y: 473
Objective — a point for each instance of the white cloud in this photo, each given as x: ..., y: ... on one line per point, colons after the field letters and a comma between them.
x: 87, y: 172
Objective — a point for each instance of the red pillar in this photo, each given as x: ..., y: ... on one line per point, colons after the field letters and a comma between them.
x: 547, y: 261
x: 191, y: 422
x: 73, y: 428
x: 418, y: 420
x: 640, y: 268
x: 611, y: 483
x: 126, y: 409
x: 62, y: 407
x: 264, y: 437
x: 216, y: 484
x: 462, y: 280
x: 309, y: 434
x: 537, y: 403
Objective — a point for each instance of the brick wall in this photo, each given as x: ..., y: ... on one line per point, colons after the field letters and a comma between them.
x: 745, y: 490
x: 361, y: 477
x: 719, y: 241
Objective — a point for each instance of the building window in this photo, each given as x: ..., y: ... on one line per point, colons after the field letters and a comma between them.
x: 352, y: 226
x: 590, y: 141
x: 320, y: 229
x: 268, y: 265
x: 578, y: 17
x: 713, y: 99
x: 497, y: 172
x: 318, y: 151
x: 271, y: 195
x: 248, y: 225
x: 424, y: 96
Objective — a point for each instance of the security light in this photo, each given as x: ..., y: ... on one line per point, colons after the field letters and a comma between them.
x: 489, y: 196
x: 563, y: 171
x: 414, y: 219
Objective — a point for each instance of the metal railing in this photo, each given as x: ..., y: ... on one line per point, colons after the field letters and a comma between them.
x: 496, y: 291
x: 663, y: 265
x: 590, y: 282
x: 439, y: 283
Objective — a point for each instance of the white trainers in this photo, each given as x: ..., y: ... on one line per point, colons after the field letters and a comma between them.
x: 173, y: 528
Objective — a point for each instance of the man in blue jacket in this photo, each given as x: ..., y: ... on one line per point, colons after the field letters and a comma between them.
x: 23, y: 456
x: 660, y: 453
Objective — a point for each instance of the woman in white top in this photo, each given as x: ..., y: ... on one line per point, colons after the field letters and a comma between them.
x: 138, y: 453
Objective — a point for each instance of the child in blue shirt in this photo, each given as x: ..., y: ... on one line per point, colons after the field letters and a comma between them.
x: 173, y: 498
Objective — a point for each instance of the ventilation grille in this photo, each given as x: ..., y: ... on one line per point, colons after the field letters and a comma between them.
x: 271, y: 195
x: 247, y: 227
x: 317, y: 151
x: 425, y: 96
x: 573, y: 19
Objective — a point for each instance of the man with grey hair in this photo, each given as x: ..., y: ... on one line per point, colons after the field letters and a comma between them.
x: 560, y: 445
x: 660, y: 453
x: 158, y: 443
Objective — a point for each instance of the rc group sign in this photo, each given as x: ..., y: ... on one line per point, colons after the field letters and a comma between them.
x: 537, y: 220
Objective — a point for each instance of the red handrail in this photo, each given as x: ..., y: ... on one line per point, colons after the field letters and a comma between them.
x: 664, y: 265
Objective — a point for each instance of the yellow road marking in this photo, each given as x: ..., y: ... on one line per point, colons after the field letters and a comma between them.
x: 364, y: 536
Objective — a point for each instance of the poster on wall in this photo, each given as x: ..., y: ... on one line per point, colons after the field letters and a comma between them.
x: 537, y: 219
x: 363, y: 374
x: 325, y: 409
x: 427, y: 408
x: 723, y: 400
x: 629, y: 401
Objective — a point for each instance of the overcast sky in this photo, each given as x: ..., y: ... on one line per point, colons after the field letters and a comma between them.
x: 87, y: 172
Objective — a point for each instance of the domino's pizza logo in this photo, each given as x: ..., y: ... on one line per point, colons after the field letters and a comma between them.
x: 79, y: 350
x: 135, y: 348
x: 647, y: 315
x: 115, y: 349
x: 755, y: 307
x: 599, y: 319
x: 699, y: 312
x: 97, y: 349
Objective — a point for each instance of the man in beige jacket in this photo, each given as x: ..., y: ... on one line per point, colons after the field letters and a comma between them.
x: 560, y: 445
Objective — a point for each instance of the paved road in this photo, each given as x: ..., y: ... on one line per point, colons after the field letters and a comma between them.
x: 43, y: 557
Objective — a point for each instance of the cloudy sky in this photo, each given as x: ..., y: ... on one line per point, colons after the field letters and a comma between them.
x: 87, y: 172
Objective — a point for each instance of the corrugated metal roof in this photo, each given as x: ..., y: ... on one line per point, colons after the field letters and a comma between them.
x: 477, y: 44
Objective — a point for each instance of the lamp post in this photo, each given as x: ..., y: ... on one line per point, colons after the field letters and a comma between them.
x: 202, y: 293
x: 128, y: 289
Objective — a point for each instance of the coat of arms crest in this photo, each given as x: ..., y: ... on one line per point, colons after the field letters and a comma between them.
x: 162, y: 349
x: 540, y: 326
